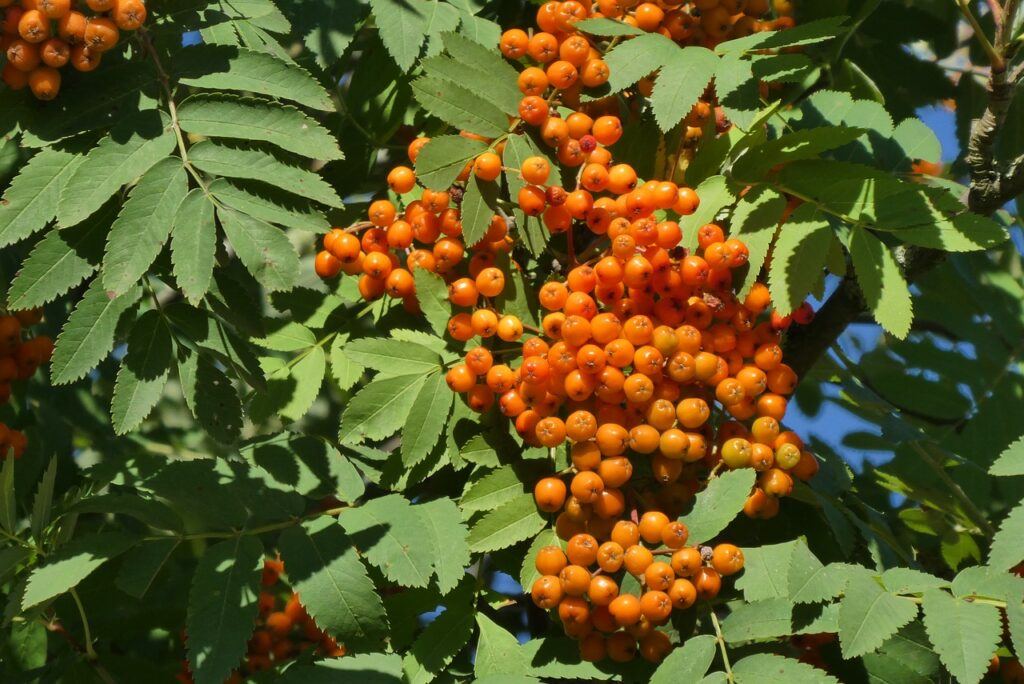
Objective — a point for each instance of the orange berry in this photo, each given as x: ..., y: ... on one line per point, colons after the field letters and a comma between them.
x: 727, y: 559
x: 101, y: 34
x: 44, y: 82
x: 546, y: 592
x: 626, y: 610
x: 487, y: 167
x: 129, y: 15
x: 549, y: 493
x: 550, y: 560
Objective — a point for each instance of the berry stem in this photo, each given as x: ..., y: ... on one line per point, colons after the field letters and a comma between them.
x: 721, y: 646
x: 993, y: 55
x: 90, y: 652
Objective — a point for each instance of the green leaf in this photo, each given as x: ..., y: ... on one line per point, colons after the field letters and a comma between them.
x: 447, y: 534
x: 680, y: 84
x: 483, y: 71
x: 10, y: 558
x: 58, y: 262
x: 493, y: 489
x: 253, y: 164
x: 715, y: 194
x: 269, y: 204
x: 1011, y: 461
x: 442, y: 159
x: 222, y: 607
x: 884, y: 288
x: 227, y: 116
x: 43, y: 501
x: 688, y: 663
x: 483, y: 58
x: 1015, y: 624
x: 766, y: 571
x: 138, y: 235
x: 909, y: 581
x: 755, y: 221
x: 72, y: 563
x: 143, y: 373
x: 88, y: 336
x: 1006, y: 550
x: 427, y: 419
x: 606, y: 28
x: 439, y: 643
x: 142, y: 564
x: 917, y: 140
x: 906, y: 657
x: 433, y: 297
x: 964, y: 233
x: 717, y: 505
x: 266, y: 251
x: 403, y: 28
x: 965, y: 635
x: 292, y: 387
x: 460, y: 107
x: 637, y: 58
x: 388, y: 531
x: 767, y: 668
x: 379, y: 409
x: 803, y: 34
x: 194, y: 245
x: 869, y: 615
x: 814, y: 582
x: 324, y: 567
x: 368, y: 668
x: 501, y: 527
x: 479, y: 30
x: 784, y: 68
x: 798, y: 258
x: 30, y: 201
x: 332, y: 28
x: 133, y: 146
x: 766, y: 619
x: 518, y: 298
x: 208, y: 333
x: 346, y: 372
x: 290, y: 337
x: 479, y: 205
x: 211, y: 397
x: 736, y: 88
x: 239, y: 69
x: 392, y: 357
x: 809, y: 143
x: 498, y: 650
x: 149, y: 511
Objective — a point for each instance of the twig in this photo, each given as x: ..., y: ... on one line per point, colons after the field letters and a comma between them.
x: 994, y: 57
x: 90, y: 652
x: 721, y: 647
x: 253, y: 531
x: 996, y: 10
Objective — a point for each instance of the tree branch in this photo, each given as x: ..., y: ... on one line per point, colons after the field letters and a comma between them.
x: 991, y: 186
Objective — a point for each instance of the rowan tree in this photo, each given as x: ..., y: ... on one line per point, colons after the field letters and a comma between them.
x: 506, y: 341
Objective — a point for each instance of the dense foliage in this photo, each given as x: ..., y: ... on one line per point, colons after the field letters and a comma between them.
x: 255, y: 235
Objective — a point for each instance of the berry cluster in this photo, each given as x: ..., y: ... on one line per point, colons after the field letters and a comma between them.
x: 283, y: 631
x: 427, y: 235
x: 42, y: 36
x: 652, y: 361
x: 691, y: 22
x: 20, y: 358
